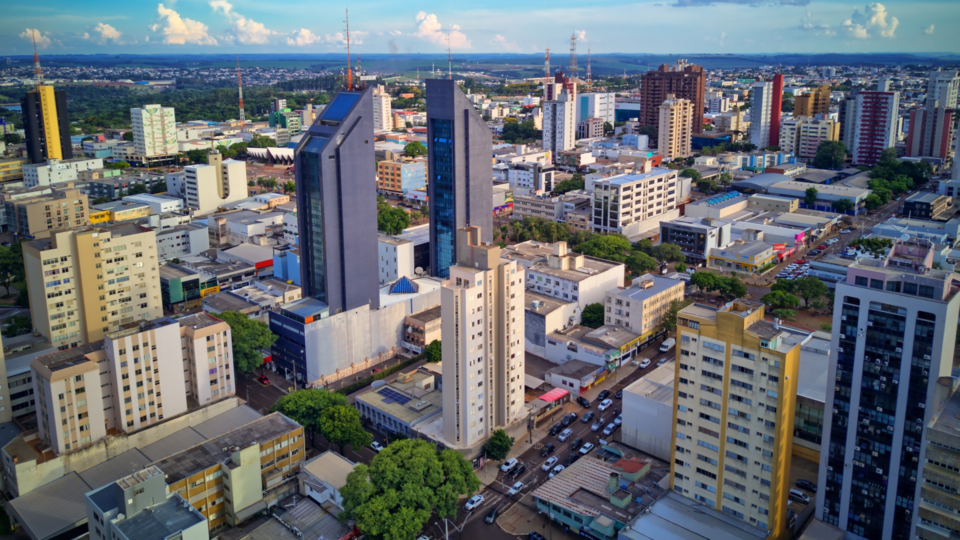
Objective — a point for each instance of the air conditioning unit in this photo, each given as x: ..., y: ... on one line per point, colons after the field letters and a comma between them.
x: 898, y: 349
x: 879, y: 470
x: 926, y: 357
x: 869, y: 323
x: 884, y: 379
x: 843, y: 317
x: 876, y: 454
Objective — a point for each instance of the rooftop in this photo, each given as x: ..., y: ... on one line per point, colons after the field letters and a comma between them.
x: 611, y: 336
x: 544, y: 304
x: 70, y: 357
x: 674, y: 517
x: 227, y: 301
x: 625, y: 179
x: 575, y: 369
x: 534, y: 255
x: 923, y: 197
x: 330, y: 467
x: 392, y: 240
x: 134, y: 328
x: 584, y: 488
x: 656, y: 385
x: 161, y: 520
x: 744, y: 249
x: 404, y: 400
x: 427, y: 315
x: 640, y: 290
x: 198, y: 320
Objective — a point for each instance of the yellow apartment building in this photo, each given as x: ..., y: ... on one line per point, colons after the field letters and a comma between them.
x: 50, y: 210
x: 12, y: 169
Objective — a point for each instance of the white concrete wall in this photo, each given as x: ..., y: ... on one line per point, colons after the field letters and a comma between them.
x: 647, y: 425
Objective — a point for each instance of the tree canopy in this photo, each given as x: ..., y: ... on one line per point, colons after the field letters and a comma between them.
x: 414, y: 149
x: 810, y: 196
x: 518, y: 132
x: 692, y: 174
x: 250, y: 339
x: 877, y: 247
x: 498, y: 445
x: 394, y: 496
x: 392, y: 220
x: 306, y: 406
x: 434, y: 351
x: 843, y: 205
x: 830, y: 155
x: 592, y: 316
x: 570, y: 184
x: 609, y: 247
x: 340, y: 424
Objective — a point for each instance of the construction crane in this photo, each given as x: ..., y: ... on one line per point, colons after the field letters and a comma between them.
x: 240, y: 87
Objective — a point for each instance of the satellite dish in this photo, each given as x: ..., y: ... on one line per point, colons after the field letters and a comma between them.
x: 418, y: 271
x: 904, y: 237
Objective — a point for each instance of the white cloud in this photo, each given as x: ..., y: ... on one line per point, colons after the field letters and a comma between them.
x: 246, y: 31
x: 723, y: 36
x: 340, y: 39
x: 221, y: 5
x: 430, y: 29
x: 108, y: 33
x: 395, y: 33
x: 43, y: 41
x: 302, y: 38
x: 504, y: 43
x: 874, y: 17
x: 177, y: 30
x: 85, y: 36
x: 581, y: 35
x: 928, y: 30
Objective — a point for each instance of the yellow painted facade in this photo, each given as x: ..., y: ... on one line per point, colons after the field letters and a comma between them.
x: 126, y: 214
x: 51, y: 127
x: 735, y: 394
x: 99, y: 216
x: 12, y: 169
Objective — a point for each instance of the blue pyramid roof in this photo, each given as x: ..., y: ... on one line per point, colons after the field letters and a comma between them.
x: 404, y: 286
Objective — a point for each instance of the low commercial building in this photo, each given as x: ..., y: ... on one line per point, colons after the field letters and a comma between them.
x: 159, y: 204
x: 677, y: 517
x: 55, y: 171
x: 747, y: 255
x: 641, y: 306
x: 831, y: 269
x: 181, y: 242
x: 648, y: 412
x: 422, y: 329
x: 11, y: 170
x: 322, y: 478
x: 396, y: 258
x: 525, y: 177
x: 554, y: 271
x: 545, y: 315
x: 399, y: 406
x: 607, y: 346
x: 723, y: 206
x: 548, y: 208
x: 123, y: 211
x: 574, y: 376
x: 115, y: 187
x: 181, y: 287
x: 928, y: 206
x: 826, y: 194
x: 398, y: 176
x: 696, y: 236
x: 772, y: 203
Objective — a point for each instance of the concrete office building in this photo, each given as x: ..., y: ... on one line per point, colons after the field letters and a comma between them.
x: 675, y: 127
x: 596, y: 105
x: 459, y: 190
x: 732, y: 121
x: 182, y: 241
x: 931, y: 126
x: 552, y: 270
x: 159, y: 204
x: 559, y: 123
x: 641, y: 306
x: 63, y: 207
x: 382, y: 111
x: 85, y: 282
x: 206, y: 188
x: 685, y: 81
x: 632, y: 204
x: 395, y: 257
x: 483, y: 342
x: 398, y: 176
x: 762, y: 103
x: 154, y: 131
x: 590, y: 128
x: 55, y: 171
x: 46, y: 126
x: 696, y: 236
x: 892, y: 358
x: 940, y: 487
x: 736, y: 391
x: 336, y: 205
x: 813, y: 104
x: 874, y: 126
x: 532, y: 177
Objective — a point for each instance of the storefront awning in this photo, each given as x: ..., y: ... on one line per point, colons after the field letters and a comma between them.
x: 554, y: 395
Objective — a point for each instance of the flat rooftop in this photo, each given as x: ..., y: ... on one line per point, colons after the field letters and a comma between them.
x: 640, y: 291
x: 923, y: 197
x: 404, y: 400
x: 583, y: 488
x: 330, y: 467
x: 656, y: 385
x: 544, y: 304
x: 427, y: 315
x: 574, y: 369
x: 611, y: 336
x: 745, y: 249
x: 172, y: 271
x: 70, y: 357
x: 674, y: 517
x: 198, y: 320
x: 133, y: 328
x: 534, y: 256
x: 162, y: 520
x: 227, y: 301
x: 631, y: 178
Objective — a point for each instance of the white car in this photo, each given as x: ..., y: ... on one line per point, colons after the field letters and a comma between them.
x: 846, y: 231
x: 508, y: 465
x: 645, y: 362
x: 517, y: 488
x: 605, y: 404
x: 549, y: 463
x: 565, y: 434
x: 586, y: 448
x: 556, y: 470
x: 831, y: 241
x: 618, y: 420
x: 473, y: 503
x: 799, y: 496
x: 376, y: 446
x: 596, y: 425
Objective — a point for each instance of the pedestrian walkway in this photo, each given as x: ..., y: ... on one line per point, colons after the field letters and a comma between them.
x: 522, y: 518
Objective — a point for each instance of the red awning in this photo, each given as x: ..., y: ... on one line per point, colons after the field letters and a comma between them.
x: 554, y: 395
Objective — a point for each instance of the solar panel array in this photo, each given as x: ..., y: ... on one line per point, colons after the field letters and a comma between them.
x: 392, y: 396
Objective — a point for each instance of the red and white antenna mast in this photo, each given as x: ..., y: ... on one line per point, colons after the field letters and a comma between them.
x: 589, y: 77
x: 36, y: 61
x: 449, y: 60
x: 546, y: 74
x: 349, y: 71
x: 240, y: 88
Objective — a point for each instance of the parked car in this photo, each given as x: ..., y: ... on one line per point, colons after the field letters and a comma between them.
x: 816, y: 252
x: 518, y: 471
x: 801, y: 261
x: 264, y: 380
x: 516, y: 488
x: 586, y: 448
x: 822, y: 246
x: 607, y: 431
x: 619, y: 394
x: 872, y: 212
x: 549, y: 463
x: 556, y: 470
x: 832, y: 241
x: 662, y: 361
x: 565, y: 434
x: 473, y: 503
x: 807, y: 485
x: 596, y: 425
x: 547, y: 450
x: 798, y: 496
x: 584, y: 402
x: 618, y: 420
x: 605, y: 404
x: 846, y: 231
x: 569, y: 419
x: 376, y: 446
x: 668, y: 344
x: 555, y: 429
x: 645, y: 363
x: 603, y: 395
x: 509, y: 464
x: 571, y: 459
x: 491, y: 516
x: 587, y: 417
x: 576, y: 444
x: 534, y: 535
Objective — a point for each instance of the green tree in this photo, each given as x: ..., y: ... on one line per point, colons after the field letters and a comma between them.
x: 137, y: 189
x: 669, y: 320
x: 414, y: 149
x: 640, y: 263
x: 290, y: 187
x: 780, y: 299
x: 11, y: 266
x: 159, y: 187
x: 117, y: 165
x: 250, y: 338
x: 608, y: 247
x: 843, y: 205
x: 705, y: 281
x: 569, y: 184
x: 128, y: 136
x: 680, y: 267
x: 434, y: 351
x: 341, y: 425
x: 607, y: 128
x: 830, y: 155
x: 667, y: 253
x: 261, y: 141
x: 810, y: 196
x: 592, y: 316
x: 810, y: 289
x: 873, y: 201
x: 731, y: 287
x: 707, y: 186
x: 876, y: 247
x: 392, y: 220
x: 726, y: 178
x: 12, y: 138
x: 18, y: 324
x: 826, y: 327
x: 198, y: 155
x: 498, y: 445
x: 693, y: 174
x: 306, y: 406
x: 784, y: 313
x: 394, y: 496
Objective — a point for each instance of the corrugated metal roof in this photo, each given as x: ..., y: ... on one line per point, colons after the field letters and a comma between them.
x: 220, y: 424
x: 171, y: 444
x: 54, y: 508
x: 115, y: 468
x: 586, y: 473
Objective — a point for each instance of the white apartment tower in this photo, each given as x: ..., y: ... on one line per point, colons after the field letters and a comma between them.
x: 382, y: 111
x: 600, y: 105
x: 559, y: 123
x: 482, y: 306
x: 206, y: 188
x: 154, y: 131
x: 676, y: 125
x: 762, y: 100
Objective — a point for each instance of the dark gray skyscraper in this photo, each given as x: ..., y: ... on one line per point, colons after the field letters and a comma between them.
x: 460, y: 150
x: 337, y: 204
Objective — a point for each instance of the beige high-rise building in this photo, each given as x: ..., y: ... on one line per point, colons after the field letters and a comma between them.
x: 154, y: 130
x: 482, y: 326
x: 732, y: 121
x: 735, y: 394
x: 803, y: 135
x: 676, y: 124
x: 813, y: 103
x: 133, y: 378
x: 86, y: 282
x: 34, y: 213
x: 790, y: 133
x: 382, y: 113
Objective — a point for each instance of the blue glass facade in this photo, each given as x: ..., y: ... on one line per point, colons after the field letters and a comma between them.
x: 443, y: 203
x: 311, y: 220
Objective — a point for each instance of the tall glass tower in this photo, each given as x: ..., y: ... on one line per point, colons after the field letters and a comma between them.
x: 337, y: 205
x: 460, y: 190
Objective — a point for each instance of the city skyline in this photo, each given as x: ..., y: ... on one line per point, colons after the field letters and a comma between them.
x: 241, y: 26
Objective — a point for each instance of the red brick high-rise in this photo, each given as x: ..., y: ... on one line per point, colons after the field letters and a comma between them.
x: 685, y: 81
x: 775, y: 109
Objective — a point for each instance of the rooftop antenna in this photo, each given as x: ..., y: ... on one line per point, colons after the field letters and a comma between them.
x: 240, y: 87
x: 349, y: 71
x: 546, y: 74
x: 36, y: 61
x: 589, y: 77
x: 449, y: 60
x: 573, y: 58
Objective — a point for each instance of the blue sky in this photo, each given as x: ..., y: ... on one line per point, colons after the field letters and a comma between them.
x: 381, y: 26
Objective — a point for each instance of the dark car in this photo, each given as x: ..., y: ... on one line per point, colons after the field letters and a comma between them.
x: 534, y: 535
x: 574, y: 456
x: 491, y: 516
x: 584, y: 402
x: 518, y: 471
x: 619, y: 394
x: 555, y: 429
x: 587, y: 417
x: 547, y: 450
x: 603, y: 395
x: 815, y: 252
x: 576, y: 444
x: 807, y: 485
x: 569, y: 419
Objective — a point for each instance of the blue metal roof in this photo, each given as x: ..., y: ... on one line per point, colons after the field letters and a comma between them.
x: 404, y: 286
x: 340, y: 106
